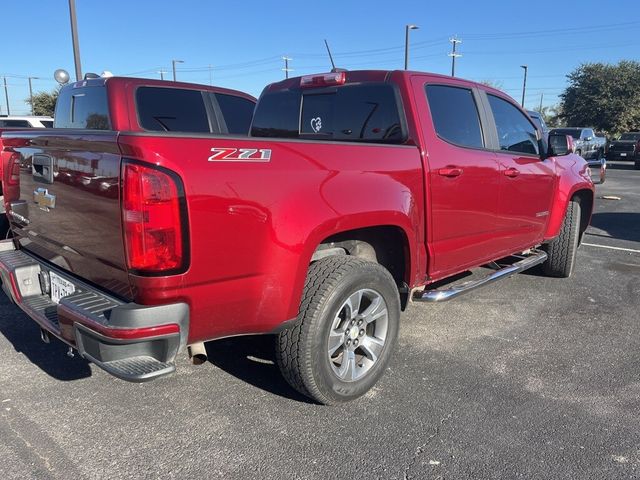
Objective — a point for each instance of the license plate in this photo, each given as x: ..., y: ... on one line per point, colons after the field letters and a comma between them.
x: 623, y: 154
x: 60, y: 287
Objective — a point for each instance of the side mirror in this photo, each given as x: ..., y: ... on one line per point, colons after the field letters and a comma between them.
x: 560, y: 145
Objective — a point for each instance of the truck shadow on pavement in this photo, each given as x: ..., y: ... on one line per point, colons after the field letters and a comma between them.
x: 252, y: 360
x: 618, y: 225
x: 24, y: 335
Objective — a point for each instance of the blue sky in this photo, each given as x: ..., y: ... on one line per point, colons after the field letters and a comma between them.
x: 244, y: 41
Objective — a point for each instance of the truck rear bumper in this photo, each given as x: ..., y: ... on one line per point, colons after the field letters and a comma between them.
x: 133, y: 342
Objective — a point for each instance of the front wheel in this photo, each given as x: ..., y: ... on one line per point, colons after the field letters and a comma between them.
x: 347, y: 326
x: 562, y: 250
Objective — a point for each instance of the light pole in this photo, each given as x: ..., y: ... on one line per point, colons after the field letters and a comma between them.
x: 161, y: 72
x: 31, y: 92
x: 524, y: 83
x: 6, y: 95
x: 173, y: 64
x: 406, y: 44
x: 74, y: 39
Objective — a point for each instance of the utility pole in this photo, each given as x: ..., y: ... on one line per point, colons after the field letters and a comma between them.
x: 6, y: 96
x: 286, y: 68
x: 173, y: 64
x: 210, y: 74
x: 454, y: 42
x: 541, y: 97
x: 406, y: 44
x: 31, y: 92
x: 162, y: 72
x: 74, y: 39
x: 524, y: 83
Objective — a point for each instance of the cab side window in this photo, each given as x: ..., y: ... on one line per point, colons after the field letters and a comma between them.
x: 455, y: 115
x: 515, y: 132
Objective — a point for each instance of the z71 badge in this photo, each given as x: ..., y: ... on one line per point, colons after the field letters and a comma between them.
x: 240, y: 155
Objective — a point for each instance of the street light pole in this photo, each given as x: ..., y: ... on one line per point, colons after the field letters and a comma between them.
x: 6, y: 95
x: 74, y: 39
x: 31, y: 93
x: 161, y: 72
x: 406, y: 44
x: 173, y: 64
x: 524, y: 83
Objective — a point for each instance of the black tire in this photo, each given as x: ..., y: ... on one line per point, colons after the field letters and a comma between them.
x: 637, y: 165
x: 301, y: 350
x: 562, y: 250
x: 579, y: 152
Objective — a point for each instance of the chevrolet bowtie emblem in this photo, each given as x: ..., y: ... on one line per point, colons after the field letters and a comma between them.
x: 44, y: 199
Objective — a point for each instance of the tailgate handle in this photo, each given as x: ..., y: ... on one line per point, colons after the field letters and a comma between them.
x: 42, y: 168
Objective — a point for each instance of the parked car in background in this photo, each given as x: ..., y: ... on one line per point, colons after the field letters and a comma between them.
x: 587, y: 144
x: 26, y: 121
x: 320, y: 226
x: 539, y: 121
x: 627, y: 147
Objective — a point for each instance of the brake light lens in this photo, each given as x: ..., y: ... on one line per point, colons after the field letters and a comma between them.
x: 152, y: 218
x: 323, y: 80
x: 13, y: 169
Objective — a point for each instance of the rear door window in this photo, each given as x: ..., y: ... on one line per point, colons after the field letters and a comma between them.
x: 85, y: 107
x: 237, y: 113
x: 164, y: 109
x: 515, y: 132
x: 455, y: 115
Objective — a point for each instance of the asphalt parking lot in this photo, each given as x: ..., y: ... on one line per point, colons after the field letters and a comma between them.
x: 529, y: 378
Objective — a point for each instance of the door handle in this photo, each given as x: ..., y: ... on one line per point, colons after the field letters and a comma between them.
x: 512, y: 172
x: 450, y: 172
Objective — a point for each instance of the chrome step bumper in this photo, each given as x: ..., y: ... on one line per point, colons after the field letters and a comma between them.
x: 532, y: 259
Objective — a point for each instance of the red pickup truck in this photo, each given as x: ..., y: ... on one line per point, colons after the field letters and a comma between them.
x: 354, y: 193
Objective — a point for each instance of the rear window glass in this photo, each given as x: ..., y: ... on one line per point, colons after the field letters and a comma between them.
x: 85, y: 107
x: 358, y: 113
x: 630, y: 136
x: 237, y: 113
x: 15, y: 123
x: 575, y: 133
x: 455, y: 115
x: 172, y: 110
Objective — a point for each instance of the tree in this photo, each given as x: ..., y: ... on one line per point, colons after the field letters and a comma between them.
x: 44, y: 103
x: 603, y: 96
x: 551, y: 115
x: 497, y: 84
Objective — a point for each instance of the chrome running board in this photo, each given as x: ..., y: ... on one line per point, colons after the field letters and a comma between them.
x: 535, y: 257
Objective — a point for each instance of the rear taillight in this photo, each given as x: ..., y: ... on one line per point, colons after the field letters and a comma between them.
x: 13, y: 169
x: 153, y: 219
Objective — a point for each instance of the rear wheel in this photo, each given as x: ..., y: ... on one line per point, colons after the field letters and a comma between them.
x: 637, y: 165
x: 562, y: 250
x: 345, y: 332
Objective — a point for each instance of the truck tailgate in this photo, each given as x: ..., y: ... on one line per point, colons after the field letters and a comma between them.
x: 68, y: 208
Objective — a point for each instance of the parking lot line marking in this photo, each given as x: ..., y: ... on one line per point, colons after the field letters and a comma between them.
x: 611, y: 248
